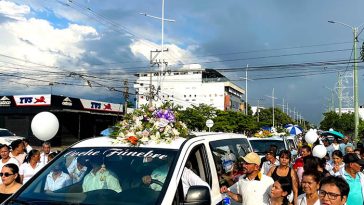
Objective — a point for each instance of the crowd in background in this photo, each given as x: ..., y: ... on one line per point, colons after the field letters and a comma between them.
x: 335, y: 179
x: 19, y: 162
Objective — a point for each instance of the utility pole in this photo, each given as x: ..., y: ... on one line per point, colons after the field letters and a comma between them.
x: 162, y: 19
x: 356, y: 34
x: 246, y: 90
x: 126, y: 96
x: 294, y: 115
x: 258, y: 109
x: 283, y: 106
x: 272, y: 105
x: 152, y: 62
x: 340, y: 91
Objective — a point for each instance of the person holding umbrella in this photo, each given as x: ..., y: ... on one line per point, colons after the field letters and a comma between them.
x: 335, y: 144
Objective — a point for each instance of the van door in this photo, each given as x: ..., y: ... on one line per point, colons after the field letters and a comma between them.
x: 197, y: 161
x: 227, y: 164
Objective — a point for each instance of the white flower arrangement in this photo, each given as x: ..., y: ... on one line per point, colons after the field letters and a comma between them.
x: 149, y: 124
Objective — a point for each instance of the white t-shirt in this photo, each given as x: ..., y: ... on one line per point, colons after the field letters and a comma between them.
x: 254, y: 192
x: 44, y: 158
x: 27, y: 171
x: 28, y: 148
x: 11, y: 160
x: 20, y: 157
x: 189, y: 178
x: 302, y: 200
x: 62, y: 181
x: 267, y: 165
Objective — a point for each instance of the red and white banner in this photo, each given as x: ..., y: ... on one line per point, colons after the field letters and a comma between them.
x: 32, y: 100
x: 101, y: 106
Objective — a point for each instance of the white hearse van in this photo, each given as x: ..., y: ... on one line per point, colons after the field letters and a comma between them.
x: 209, y: 155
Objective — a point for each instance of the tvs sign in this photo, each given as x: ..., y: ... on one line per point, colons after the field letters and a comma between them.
x: 101, y: 106
x: 32, y: 100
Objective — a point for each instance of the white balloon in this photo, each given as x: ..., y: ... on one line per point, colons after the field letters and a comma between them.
x: 45, y: 126
x: 319, y: 151
x: 311, y: 136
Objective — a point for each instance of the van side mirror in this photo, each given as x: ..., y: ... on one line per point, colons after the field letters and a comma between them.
x: 198, y: 195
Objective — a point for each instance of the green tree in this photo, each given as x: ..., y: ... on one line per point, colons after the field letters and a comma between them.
x: 195, y: 117
x: 231, y: 121
x: 280, y: 118
x: 344, y: 124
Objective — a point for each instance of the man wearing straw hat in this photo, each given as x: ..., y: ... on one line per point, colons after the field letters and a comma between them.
x: 253, y: 187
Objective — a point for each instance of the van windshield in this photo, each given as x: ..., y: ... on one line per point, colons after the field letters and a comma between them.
x: 261, y: 146
x: 102, y: 176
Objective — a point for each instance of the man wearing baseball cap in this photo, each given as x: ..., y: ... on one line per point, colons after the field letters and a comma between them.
x: 352, y: 174
x: 253, y: 187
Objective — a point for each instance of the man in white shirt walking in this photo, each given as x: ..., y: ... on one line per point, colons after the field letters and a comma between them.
x: 46, y: 150
x: 253, y: 187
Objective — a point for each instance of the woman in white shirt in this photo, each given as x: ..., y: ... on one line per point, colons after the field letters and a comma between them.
x: 334, y: 166
x: 310, y: 185
x: 5, y: 158
x: 17, y: 151
x: 30, y: 166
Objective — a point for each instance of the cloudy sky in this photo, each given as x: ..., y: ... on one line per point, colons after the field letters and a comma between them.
x: 87, y: 48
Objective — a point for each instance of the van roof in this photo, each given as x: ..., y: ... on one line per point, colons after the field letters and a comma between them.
x: 175, y: 144
x: 267, y: 138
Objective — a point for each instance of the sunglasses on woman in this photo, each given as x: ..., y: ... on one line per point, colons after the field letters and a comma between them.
x: 6, y: 174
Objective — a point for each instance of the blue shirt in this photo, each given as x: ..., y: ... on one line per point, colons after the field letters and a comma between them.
x: 355, y: 195
x: 343, y: 146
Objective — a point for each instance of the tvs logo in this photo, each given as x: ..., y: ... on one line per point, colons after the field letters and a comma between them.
x: 100, y: 106
x: 95, y: 105
x: 32, y: 100
x: 40, y: 100
x: 107, y: 106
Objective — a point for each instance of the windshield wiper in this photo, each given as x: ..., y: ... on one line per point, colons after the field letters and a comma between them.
x: 19, y: 201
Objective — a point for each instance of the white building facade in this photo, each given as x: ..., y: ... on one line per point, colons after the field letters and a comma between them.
x: 351, y: 110
x: 189, y: 87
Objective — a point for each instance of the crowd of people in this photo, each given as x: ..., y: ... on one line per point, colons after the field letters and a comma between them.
x: 335, y: 179
x: 19, y: 162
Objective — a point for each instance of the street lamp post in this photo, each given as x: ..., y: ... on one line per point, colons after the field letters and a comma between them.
x: 355, y: 76
x: 258, y: 109
x: 162, y: 34
x: 246, y: 89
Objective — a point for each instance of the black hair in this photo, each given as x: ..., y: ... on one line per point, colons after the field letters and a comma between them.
x: 31, y: 154
x: 15, y: 169
x: 272, y: 151
x: 52, y: 155
x: 337, y: 153
x: 306, y: 147
x: 4, y: 145
x: 26, y: 140
x: 286, y: 153
x: 339, y: 182
x: 286, y: 186
x: 315, y: 175
x: 311, y: 163
x: 15, y: 144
